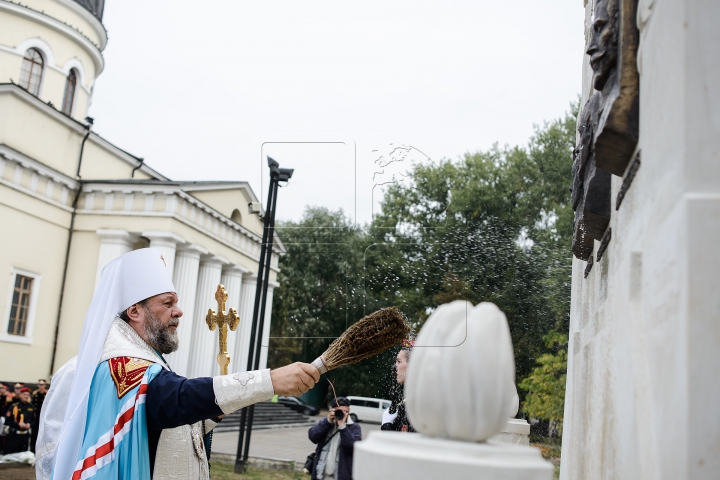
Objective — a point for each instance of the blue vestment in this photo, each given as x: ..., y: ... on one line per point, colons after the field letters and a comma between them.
x: 127, y: 413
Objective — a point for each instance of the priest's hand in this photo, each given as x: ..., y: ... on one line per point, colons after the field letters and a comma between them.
x: 294, y: 379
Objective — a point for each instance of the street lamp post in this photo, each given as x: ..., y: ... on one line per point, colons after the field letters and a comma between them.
x: 277, y: 175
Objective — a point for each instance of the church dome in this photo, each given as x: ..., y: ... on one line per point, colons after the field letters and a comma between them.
x: 52, y: 49
x: 95, y: 7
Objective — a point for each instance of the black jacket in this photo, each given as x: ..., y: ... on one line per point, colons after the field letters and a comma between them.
x: 401, y: 422
x: 19, y: 412
x: 348, y: 436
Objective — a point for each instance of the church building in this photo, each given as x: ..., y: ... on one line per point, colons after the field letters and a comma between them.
x: 71, y: 201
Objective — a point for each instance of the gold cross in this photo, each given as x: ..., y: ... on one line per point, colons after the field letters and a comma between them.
x: 223, y: 320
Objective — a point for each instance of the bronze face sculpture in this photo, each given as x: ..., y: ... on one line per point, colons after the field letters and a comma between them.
x: 613, y: 57
x: 604, y: 42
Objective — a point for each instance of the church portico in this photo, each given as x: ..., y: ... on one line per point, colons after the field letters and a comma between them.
x: 196, y: 272
x: 113, y: 217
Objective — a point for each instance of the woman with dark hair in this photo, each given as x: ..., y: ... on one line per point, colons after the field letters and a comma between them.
x: 395, y: 417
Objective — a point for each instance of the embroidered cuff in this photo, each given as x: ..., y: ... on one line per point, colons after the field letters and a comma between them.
x: 209, y: 425
x: 238, y: 390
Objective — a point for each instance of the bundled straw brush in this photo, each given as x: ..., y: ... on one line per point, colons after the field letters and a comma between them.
x: 370, y: 336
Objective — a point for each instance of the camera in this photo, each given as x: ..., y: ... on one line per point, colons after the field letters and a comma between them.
x: 339, y: 414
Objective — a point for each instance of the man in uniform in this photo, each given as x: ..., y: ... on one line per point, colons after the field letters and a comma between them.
x: 38, y: 397
x: 19, y: 419
x: 117, y: 411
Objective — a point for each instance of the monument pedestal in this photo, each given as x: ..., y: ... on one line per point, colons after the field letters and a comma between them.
x: 408, y: 456
x: 515, y: 432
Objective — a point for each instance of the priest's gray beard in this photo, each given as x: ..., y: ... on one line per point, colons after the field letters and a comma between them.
x: 159, y: 335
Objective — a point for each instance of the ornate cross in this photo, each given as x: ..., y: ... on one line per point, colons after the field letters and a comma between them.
x: 222, y: 320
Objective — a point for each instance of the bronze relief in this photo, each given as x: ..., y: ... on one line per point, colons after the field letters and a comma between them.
x: 608, y: 123
x: 613, y: 58
x: 591, y: 185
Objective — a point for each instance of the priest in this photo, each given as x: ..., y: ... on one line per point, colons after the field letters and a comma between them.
x: 117, y: 411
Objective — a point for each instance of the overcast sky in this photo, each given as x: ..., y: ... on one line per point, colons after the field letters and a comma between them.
x: 203, y: 90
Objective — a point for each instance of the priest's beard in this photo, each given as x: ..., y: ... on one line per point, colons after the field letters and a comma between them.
x: 159, y: 335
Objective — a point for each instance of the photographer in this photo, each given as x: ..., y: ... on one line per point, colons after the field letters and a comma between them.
x: 334, y: 436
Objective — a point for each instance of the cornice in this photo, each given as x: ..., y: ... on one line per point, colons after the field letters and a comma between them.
x: 23, y: 165
x: 9, y: 153
x: 88, y: 17
x: 178, y: 205
x: 210, y: 186
x: 91, y: 48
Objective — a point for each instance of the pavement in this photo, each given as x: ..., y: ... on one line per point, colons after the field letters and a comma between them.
x: 286, y: 444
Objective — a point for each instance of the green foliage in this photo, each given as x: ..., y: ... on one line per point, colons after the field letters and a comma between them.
x: 545, y: 386
x: 319, y: 298
x: 491, y: 226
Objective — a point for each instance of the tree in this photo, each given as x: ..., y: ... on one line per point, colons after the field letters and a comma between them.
x: 494, y: 226
x: 545, y: 386
x: 491, y: 226
x: 319, y: 298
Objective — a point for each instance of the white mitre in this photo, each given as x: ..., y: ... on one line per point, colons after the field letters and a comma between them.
x: 127, y: 280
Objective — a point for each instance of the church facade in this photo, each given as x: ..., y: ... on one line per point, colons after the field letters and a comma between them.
x: 71, y: 201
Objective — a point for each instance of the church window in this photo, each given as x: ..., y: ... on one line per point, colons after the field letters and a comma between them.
x: 236, y: 216
x: 20, y: 307
x: 69, y: 97
x: 31, y: 71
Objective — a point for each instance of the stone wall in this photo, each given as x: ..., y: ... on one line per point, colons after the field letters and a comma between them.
x: 644, y: 351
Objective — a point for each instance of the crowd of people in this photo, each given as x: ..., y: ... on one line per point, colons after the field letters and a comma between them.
x: 20, y: 409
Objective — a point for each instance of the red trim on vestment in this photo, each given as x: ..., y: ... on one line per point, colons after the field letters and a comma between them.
x: 107, y: 448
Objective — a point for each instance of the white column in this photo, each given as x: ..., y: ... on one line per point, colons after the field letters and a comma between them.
x: 113, y: 243
x: 246, y: 311
x: 167, y: 243
x: 204, y: 347
x: 232, y: 276
x: 185, y: 279
x: 266, y: 328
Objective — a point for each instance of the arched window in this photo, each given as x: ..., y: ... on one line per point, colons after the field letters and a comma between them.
x: 236, y: 217
x: 69, y: 97
x: 31, y: 71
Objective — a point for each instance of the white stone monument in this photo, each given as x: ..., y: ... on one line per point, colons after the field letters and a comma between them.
x: 644, y: 355
x: 460, y: 392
